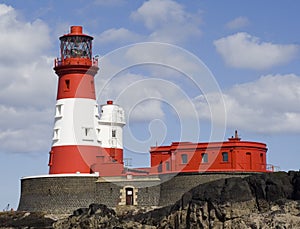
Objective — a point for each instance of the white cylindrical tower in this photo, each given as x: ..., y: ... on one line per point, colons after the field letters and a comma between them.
x: 110, y: 132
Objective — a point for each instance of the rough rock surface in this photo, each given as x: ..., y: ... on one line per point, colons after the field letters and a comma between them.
x: 260, y: 201
x: 25, y: 220
x: 96, y: 216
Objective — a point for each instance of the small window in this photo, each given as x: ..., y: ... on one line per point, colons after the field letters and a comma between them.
x: 92, y: 85
x: 113, y: 133
x: 225, y: 156
x: 204, y: 158
x: 56, y: 134
x: 183, y: 158
x: 87, y: 133
x: 159, y: 168
x: 50, y: 158
x: 167, y: 166
x: 58, y: 111
x: 96, y: 111
x: 67, y: 84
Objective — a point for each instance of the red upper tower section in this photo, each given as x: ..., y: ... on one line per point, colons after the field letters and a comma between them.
x: 76, y: 67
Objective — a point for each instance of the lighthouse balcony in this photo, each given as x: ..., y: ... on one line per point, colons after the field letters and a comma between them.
x: 58, y: 62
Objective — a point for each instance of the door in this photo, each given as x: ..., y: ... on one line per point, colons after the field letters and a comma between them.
x: 129, y: 196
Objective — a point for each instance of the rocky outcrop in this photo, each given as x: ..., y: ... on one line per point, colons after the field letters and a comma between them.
x: 97, y: 216
x: 25, y: 220
x: 259, y: 201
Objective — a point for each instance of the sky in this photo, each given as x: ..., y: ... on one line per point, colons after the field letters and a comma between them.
x: 182, y: 70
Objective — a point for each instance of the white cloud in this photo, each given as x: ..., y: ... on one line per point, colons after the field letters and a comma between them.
x: 168, y: 21
x: 20, y: 41
x: 120, y: 35
x: 242, y: 50
x: 27, y: 84
x: 268, y: 105
x: 237, y: 23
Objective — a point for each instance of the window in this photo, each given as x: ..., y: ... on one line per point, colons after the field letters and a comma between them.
x: 167, y: 166
x: 50, y: 158
x: 86, y: 130
x: 183, y: 158
x: 113, y: 133
x: 92, y: 85
x: 225, y: 156
x: 79, y: 47
x: 58, y: 110
x: 204, y: 158
x: 56, y: 134
x: 159, y: 168
x: 96, y: 111
x: 98, y: 131
x: 67, y: 85
x: 87, y: 133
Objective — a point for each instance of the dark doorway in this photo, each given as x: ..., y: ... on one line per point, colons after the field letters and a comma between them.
x: 129, y: 196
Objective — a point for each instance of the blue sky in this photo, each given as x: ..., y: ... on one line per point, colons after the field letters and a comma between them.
x: 250, y: 48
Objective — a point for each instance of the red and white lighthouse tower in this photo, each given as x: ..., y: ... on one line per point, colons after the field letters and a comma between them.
x: 83, y: 142
x: 75, y: 144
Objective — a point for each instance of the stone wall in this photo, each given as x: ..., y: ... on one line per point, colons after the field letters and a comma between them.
x: 56, y: 194
x: 149, y: 196
x: 147, y: 192
x: 64, y: 194
x: 107, y: 193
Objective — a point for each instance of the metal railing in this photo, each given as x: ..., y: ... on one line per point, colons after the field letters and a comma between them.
x: 59, y: 62
x: 272, y: 168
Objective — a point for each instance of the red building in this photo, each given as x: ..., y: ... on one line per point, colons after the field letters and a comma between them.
x: 232, y: 155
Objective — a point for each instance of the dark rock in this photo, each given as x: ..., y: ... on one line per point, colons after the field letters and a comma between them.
x: 80, y: 211
x: 96, y: 216
x: 229, y: 201
x: 296, y: 184
x: 25, y: 220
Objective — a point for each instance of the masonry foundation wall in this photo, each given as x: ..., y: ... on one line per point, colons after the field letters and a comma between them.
x: 56, y: 194
x: 65, y: 194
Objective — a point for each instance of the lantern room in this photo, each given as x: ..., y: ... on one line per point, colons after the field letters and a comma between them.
x: 76, y: 47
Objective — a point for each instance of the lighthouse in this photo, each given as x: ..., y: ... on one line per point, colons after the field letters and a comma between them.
x: 75, y: 144
x: 83, y: 140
